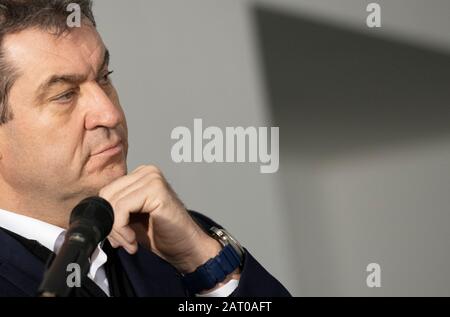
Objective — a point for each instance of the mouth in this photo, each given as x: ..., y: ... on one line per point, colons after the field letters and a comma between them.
x: 110, y: 150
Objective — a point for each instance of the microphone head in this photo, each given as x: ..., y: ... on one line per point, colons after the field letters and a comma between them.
x: 94, y: 212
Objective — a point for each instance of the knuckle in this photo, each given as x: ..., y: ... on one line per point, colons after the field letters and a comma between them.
x: 133, y: 248
x: 163, y: 200
x: 157, y: 181
x: 153, y: 169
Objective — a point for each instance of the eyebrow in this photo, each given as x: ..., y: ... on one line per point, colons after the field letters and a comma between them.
x: 72, y: 79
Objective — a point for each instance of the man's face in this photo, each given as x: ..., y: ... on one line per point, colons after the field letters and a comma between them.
x: 65, y: 111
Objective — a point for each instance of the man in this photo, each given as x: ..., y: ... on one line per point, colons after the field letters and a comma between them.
x: 63, y: 137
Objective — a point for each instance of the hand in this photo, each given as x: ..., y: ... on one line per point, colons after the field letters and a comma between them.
x: 147, y: 211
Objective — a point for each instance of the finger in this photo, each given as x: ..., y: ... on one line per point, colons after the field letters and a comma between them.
x: 110, y: 190
x: 143, y: 181
x: 131, y: 248
x: 139, y: 168
x: 134, y: 202
x: 114, y: 238
x: 144, y: 199
x: 113, y: 242
x: 127, y: 234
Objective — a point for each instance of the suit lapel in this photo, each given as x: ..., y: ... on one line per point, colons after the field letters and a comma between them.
x: 19, y: 267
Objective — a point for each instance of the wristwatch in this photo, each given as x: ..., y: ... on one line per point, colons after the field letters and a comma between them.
x: 225, y: 238
x: 216, y: 269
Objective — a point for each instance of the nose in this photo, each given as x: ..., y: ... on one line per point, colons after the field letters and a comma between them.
x: 101, y: 110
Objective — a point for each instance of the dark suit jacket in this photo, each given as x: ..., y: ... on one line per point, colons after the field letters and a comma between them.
x: 21, y: 272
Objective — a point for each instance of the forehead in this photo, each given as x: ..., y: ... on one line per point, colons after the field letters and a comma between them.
x: 38, y: 52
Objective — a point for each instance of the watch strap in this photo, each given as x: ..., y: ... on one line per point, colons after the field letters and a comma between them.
x: 214, y: 271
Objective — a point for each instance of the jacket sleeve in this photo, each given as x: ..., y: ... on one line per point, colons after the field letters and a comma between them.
x: 255, y: 281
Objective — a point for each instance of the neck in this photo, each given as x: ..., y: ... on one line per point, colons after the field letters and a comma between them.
x: 37, y: 206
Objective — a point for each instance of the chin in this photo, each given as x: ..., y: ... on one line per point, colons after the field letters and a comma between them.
x: 100, y: 173
x: 108, y: 174
x: 113, y: 172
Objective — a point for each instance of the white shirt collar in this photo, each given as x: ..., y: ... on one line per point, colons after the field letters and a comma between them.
x: 33, y: 229
x: 50, y: 236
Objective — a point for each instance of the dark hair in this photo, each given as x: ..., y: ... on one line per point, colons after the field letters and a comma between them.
x: 18, y: 15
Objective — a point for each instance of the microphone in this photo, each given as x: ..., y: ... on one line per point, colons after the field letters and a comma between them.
x: 90, y: 223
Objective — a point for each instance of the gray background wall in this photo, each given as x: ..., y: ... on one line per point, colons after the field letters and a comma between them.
x: 334, y: 206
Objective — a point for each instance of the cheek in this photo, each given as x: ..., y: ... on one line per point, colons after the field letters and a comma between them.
x: 47, y: 151
x: 43, y: 143
x: 24, y: 163
x: 37, y: 155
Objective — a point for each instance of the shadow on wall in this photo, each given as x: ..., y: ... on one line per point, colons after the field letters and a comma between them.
x: 336, y: 93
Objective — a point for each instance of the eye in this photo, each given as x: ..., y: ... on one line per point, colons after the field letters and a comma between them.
x: 105, y: 80
x: 66, y: 97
